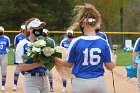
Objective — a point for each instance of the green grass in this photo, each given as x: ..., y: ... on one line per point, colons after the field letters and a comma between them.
x: 11, y: 57
x: 123, y: 59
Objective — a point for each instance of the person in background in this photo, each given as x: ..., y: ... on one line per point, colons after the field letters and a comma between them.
x: 49, y: 73
x: 35, y: 80
x: 4, y: 49
x: 135, y: 54
x: 17, y: 39
x: 66, y: 43
x: 87, y: 54
x: 100, y: 34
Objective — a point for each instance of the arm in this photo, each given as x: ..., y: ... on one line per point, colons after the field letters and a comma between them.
x: 27, y: 67
x: 110, y: 58
x: 135, y: 50
x: 134, y: 56
x: 62, y: 62
x: 111, y: 65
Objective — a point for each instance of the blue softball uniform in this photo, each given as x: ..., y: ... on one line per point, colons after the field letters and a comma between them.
x: 88, y: 53
x: 51, y: 41
x: 18, y: 37
x: 137, y: 45
x: 4, y: 44
x: 102, y: 35
x: 21, y: 49
x: 65, y: 43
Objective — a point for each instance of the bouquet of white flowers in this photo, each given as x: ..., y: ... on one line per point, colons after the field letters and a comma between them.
x: 41, y: 51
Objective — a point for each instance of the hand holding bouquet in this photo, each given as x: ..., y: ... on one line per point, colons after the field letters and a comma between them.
x: 41, y: 51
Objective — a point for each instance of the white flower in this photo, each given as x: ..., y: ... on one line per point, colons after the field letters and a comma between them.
x: 29, y: 53
x: 42, y: 43
x: 30, y: 44
x: 48, y: 51
x: 39, y: 43
x: 34, y: 49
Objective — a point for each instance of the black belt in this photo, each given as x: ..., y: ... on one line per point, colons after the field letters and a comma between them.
x: 2, y: 53
x: 35, y: 74
x: 38, y: 74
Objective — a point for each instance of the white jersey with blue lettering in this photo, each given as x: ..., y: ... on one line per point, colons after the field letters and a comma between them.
x: 137, y: 45
x: 21, y: 49
x: 4, y: 44
x: 88, y: 54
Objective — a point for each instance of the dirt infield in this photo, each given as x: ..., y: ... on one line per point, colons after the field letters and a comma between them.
x: 122, y: 84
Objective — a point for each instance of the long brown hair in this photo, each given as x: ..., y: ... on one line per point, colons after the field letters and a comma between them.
x: 85, y: 12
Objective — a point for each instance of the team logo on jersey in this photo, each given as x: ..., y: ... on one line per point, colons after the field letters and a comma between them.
x: 3, y: 43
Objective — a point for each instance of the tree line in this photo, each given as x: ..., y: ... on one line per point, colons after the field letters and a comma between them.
x: 58, y: 14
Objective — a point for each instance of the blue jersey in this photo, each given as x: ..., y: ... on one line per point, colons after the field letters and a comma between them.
x: 65, y: 43
x: 137, y: 45
x: 88, y: 53
x: 21, y: 49
x: 4, y: 44
x: 51, y: 41
x: 102, y: 35
x: 18, y: 37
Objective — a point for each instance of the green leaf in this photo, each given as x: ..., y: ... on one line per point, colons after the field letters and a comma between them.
x: 48, y: 62
x: 58, y: 54
x: 25, y: 58
x: 49, y: 65
x: 41, y: 38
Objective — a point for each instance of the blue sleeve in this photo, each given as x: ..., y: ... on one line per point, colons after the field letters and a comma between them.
x: 15, y: 41
x: 108, y: 54
x: 8, y: 43
x: 137, y: 45
x: 71, y: 51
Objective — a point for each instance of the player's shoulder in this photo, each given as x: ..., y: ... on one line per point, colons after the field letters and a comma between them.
x: 50, y: 39
x: 6, y: 37
x: 22, y: 42
x: 101, y: 33
x: 138, y: 39
x: 65, y: 39
x: 18, y: 35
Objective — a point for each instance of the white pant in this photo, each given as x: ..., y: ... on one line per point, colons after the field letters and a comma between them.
x: 3, y: 63
x: 138, y: 76
x: 92, y: 85
x: 35, y: 84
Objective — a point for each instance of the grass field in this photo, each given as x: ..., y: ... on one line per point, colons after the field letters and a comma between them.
x: 123, y: 59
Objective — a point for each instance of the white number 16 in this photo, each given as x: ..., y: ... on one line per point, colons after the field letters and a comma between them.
x: 91, y: 56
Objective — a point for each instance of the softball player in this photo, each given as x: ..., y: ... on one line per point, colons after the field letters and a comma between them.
x: 35, y: 80
x: 100, y: 34
x: 49, y: 73
x: 4, y: 48
x: 17, y: 39
x: 87, y: 54
x: 135, y: 52
x: 65, y: 43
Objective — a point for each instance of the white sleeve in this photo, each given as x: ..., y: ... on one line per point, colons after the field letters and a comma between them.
x: 19, y: 53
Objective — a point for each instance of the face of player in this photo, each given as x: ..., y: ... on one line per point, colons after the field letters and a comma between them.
x: 45, y: 34
x: 70, y: 35
x: 1, y: 33
x: 37, y: 31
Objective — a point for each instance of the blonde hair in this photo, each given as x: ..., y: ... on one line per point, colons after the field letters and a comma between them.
x: 85, y: 12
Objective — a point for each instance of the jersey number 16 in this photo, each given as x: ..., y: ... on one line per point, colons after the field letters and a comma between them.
x: 91, y: 56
